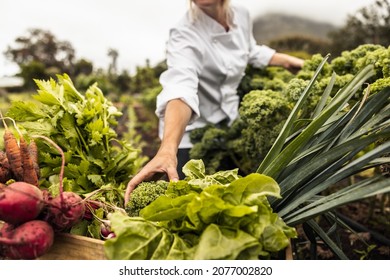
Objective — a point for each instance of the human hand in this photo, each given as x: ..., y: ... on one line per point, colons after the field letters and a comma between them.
x: 291, y: 63
x: 162, y: 163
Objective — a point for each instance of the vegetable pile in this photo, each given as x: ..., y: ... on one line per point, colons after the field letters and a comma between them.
x: 69, y: 176
x: 217, y: 216
x: 81, y: 168
x: 29, y: 215
x: 82, y: 125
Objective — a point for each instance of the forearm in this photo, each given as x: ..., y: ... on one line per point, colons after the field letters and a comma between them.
x: 177, y: 116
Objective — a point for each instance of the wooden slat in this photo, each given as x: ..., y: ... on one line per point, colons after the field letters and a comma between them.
x: 74, y: 247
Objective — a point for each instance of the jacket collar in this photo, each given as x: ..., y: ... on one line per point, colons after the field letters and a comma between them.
x: 215, y: 27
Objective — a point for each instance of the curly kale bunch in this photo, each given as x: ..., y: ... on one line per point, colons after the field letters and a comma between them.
x: 273, y: 78
x: 351, y: 62
x: 144, y: 194
x: 212, y: 144
x: 267, y: 97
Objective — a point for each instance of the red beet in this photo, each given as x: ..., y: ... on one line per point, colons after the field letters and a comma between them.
x: 20, y: 202
x: 65, y: 210
x: 27, y: 241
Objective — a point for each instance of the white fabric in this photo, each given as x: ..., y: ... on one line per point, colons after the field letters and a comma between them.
x: 205, y: 66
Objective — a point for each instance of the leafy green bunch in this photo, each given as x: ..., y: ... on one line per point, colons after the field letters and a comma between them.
x: 82, y: 125
x: 217, y: 216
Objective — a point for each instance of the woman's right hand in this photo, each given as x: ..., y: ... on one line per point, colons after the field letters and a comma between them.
x: 177, y: 116
x: 162, y: 163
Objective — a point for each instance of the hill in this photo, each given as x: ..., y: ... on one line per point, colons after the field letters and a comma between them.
x: 275, y: 26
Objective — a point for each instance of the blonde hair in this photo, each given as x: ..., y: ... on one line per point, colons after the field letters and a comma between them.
x: 194, y: 10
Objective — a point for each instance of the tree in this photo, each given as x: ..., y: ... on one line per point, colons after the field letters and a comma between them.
x: 370, y: 25
x: 42, y: 46
x: 112, y: 68
x: 82, y: 66
x: 32, y: 70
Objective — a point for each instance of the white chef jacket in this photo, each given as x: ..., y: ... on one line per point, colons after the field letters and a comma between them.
x: 205, y: 66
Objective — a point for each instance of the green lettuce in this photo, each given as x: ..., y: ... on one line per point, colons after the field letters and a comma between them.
x: 204, y: 217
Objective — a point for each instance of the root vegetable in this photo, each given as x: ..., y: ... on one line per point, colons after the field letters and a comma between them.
x: 29, y: 172
x: 65, y: 211
x: 20, y: 202
x: 27, y: 241
x: 33, y: 150
x: 90, y: 207
x: 12, y: 151
x: 5, y: 171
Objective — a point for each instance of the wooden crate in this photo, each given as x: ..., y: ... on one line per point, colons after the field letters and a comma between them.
x: 75, y: 247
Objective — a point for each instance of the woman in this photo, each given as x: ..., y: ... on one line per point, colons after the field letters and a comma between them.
x: 207, y: 53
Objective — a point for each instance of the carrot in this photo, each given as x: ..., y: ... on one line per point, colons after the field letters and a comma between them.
x: 5, y: 172
x: 29, y: 172
x: 13, y: 154
x: 33, y: 149
x: 12, y: 151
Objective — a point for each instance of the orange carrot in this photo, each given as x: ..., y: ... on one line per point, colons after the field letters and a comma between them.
x: 13, y: 154
x: 12, y: 151
x: 33, y: 149
x: 29, y: 173
x: 5, y: 172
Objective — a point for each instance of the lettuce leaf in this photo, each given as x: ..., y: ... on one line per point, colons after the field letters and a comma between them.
x: 205, y: 218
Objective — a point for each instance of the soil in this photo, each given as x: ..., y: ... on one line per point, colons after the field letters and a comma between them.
x: 368, y: 237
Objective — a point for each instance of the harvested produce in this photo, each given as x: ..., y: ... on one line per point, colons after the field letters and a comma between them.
x: 144, y: 194
x: 32, y: 215
x: 65, y: 210
x: 12, y: 151
x: 20, y: 202
x: 82, y: 124
x: 27, y: 241
x: 5, y: 172
x: 30, y: 174
x: 68, y: 208
x: 205, y: 216
x: 19, y: 161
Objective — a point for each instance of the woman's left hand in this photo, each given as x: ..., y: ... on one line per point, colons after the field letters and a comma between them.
x: 289, y: 62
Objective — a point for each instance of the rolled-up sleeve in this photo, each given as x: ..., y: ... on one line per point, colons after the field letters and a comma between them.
x: 180, y: 80
x: 260, y: 55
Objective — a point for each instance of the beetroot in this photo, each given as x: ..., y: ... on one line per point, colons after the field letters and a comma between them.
x: 27, y: 241
x: 65, y: 210
x: 20, y: 202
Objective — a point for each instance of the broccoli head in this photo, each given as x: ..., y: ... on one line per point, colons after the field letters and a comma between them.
x: 144, y: 194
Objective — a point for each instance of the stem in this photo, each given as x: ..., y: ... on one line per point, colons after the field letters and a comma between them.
x: 12, y: 120
x: 8, y: 241
x: 61, y: 175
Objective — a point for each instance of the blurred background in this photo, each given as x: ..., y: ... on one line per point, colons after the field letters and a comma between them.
x: 122, y: 35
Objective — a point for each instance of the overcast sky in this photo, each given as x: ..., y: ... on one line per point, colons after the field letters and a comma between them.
x: 137, y: 29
